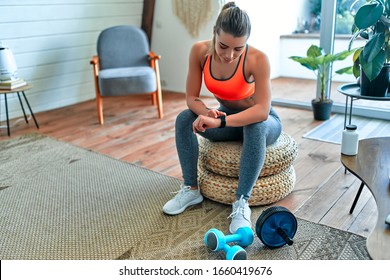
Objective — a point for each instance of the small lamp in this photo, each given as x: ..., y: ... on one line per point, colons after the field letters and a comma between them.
x: 8, y: 68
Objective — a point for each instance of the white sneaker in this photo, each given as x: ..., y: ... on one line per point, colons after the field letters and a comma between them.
x: 183, y: 199
x: 241, y: 215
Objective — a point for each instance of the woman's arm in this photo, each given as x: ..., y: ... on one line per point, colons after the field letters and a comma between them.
x: 194, y: 78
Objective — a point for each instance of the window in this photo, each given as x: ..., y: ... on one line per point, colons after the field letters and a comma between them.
x: 311, y: 20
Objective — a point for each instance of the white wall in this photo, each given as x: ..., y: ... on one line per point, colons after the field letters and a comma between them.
x: 53, y: 41
x: 171, y: 40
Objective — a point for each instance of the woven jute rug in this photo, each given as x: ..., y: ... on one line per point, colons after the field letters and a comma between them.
x: 60, y: 202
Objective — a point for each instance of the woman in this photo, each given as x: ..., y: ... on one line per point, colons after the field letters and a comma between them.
x: 239, y: 77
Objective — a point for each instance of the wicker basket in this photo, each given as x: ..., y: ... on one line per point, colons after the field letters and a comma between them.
x: 267, y: 189
x: 224, y: 157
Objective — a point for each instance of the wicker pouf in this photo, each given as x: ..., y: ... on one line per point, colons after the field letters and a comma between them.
x: 224, y: 157
x: 219, y: 164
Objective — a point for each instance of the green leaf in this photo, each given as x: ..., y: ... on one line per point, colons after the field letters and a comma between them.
x: 343, y: 55
x: 345, y: 70
x: 337, y: 56
x: 373, y: 47
x: 356, y: 55
x: 356, y: 70
x: 356, y: 62
x: 308, y: 62
x: 314, y: 51
x: 368, y: 15
x: 373, y: 67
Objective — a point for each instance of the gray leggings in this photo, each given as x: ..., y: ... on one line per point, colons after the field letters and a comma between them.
x: 255, y: 138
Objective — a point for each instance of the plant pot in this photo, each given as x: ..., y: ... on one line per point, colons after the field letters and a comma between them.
x: 377, y: 87
x: 321, y: 109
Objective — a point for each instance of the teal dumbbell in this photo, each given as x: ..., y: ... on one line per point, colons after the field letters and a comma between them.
x: 216, y: 241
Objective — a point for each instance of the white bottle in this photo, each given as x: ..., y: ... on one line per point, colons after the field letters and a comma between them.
x: 350, y: 140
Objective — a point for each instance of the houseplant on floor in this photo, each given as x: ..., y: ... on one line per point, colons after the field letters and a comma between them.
x: 321, y: 64
x: 371, y: 61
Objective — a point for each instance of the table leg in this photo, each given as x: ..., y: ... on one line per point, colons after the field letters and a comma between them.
x: 345, y: 120
x: 350, y: 110
x: 346, y: 110
x: 28, y: 105
x: 356, y: 198
x: 6, y: 113
x: 21, y: 105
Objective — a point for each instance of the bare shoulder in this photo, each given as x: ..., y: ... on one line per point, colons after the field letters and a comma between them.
x: 256, y: 56
x: 199, y: 50
x: 202, y: 46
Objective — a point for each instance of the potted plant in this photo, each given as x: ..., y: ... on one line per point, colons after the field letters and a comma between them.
x: 321, y: 63
x: 372, y: 22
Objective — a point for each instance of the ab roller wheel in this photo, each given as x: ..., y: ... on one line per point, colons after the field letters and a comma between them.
x: 276, y: 227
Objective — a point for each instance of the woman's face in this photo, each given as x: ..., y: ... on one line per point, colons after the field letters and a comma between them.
x: 227, y: 47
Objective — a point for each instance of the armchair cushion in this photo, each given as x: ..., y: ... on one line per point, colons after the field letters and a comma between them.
x: 127, y: 80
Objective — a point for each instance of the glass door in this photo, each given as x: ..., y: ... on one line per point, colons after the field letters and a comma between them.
x: 308, y: 32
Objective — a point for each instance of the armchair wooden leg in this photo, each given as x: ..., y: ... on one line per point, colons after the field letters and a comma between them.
x: 154, y: 98
x: 158, y: 93
x: 99, y: 103
x: 159, y: 103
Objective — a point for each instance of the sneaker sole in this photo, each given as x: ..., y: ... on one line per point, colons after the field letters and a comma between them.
x: 181, y: 210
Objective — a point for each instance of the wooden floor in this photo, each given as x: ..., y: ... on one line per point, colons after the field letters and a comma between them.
x: 132, y: 132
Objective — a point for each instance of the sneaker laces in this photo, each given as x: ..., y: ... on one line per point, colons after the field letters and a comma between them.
x: 239, y: 209
x: 180, y: 193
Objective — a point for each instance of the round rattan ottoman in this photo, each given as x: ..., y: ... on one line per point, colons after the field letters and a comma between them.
x: 219, y: 164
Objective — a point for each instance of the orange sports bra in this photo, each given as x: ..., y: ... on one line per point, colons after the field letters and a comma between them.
x: 235, y: 87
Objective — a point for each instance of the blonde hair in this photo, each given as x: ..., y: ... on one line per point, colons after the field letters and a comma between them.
x: 231, y: 20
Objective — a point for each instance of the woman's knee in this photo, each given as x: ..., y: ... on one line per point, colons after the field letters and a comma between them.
x: 270, y: 130
x: 258, y: 129
x: 185, y: 119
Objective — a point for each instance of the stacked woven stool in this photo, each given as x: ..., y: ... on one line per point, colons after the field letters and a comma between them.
x: 219, y: 165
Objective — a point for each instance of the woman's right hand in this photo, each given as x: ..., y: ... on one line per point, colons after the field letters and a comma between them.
x: 204, y: 122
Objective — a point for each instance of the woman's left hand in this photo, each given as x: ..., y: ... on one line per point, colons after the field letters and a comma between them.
x: 203, y: 122
x: 215, y: 113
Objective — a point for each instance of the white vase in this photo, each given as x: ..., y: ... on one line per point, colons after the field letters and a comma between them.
x: 8, y: 68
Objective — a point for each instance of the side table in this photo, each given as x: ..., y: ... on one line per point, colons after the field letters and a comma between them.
x: 372, y: 166
x: 352, y: 91
x: 18, y: 90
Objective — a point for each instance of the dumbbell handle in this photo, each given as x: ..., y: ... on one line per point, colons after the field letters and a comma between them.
x: 233, y: 237
x: 226, y: 247
x: 283, y: 234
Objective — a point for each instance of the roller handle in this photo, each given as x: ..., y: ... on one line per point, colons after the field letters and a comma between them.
x: 283, y: 234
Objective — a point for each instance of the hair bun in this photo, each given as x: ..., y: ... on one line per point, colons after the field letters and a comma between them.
x: 228, y: 5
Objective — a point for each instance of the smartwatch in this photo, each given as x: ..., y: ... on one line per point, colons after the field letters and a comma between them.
x: 223, y: 121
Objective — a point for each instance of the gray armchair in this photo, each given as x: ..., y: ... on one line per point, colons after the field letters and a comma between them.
x: 125, y: 65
